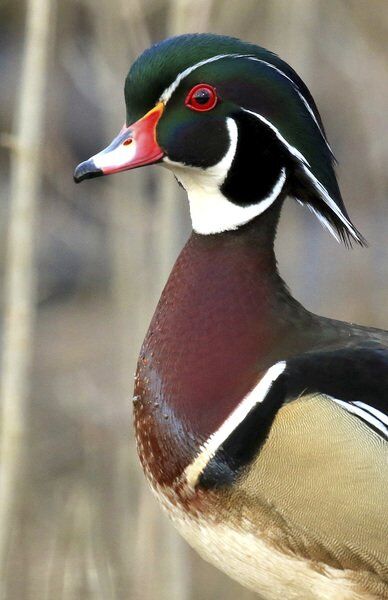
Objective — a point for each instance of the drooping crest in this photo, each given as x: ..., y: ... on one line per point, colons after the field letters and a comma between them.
x: 267, y: 90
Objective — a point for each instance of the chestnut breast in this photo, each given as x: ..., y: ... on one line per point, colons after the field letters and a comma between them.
x: 223, y: 318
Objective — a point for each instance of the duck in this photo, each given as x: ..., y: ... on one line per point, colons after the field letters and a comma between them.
x: 261, y: 427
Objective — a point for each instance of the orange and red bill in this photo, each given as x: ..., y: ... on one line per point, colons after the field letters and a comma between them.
x: 135, y: 146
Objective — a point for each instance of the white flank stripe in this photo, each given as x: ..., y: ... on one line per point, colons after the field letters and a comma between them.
x: 317, y: 184
x: 210, y: 447
x: 363, y: 414
x: 373, y: 411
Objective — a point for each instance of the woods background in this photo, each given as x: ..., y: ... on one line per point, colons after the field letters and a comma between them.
x: 83, y: 267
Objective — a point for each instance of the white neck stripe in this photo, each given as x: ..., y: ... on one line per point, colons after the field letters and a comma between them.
x: 236, y: 417
x: 317, y: 184
x: 212, y: 212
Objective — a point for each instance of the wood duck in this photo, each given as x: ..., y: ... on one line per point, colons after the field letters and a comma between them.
x: 261, y: 427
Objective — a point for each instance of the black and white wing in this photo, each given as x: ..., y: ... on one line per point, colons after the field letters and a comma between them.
x: 353, y: 379
x: 304, y: 458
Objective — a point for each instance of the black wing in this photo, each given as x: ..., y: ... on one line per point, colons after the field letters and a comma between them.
x: 356, y: 379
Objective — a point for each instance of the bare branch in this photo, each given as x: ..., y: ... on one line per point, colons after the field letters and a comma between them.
x: 20, y: 272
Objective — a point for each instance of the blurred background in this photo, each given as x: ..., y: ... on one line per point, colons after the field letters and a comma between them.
x: 83, y: 266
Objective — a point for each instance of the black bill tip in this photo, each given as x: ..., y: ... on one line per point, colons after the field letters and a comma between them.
x: 86, y: 170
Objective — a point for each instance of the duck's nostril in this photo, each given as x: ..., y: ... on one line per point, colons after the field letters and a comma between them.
x: 127, y: 142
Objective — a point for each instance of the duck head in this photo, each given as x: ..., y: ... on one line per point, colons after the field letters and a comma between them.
x: 235, y: 124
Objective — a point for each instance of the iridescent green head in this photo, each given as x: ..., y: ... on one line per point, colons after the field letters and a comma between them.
x: 236, y: 125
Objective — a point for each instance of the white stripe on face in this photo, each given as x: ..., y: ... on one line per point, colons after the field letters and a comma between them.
x: 294, y: 85
x: 209, y: 449
x: 190, y: 181
x: 292, y: 150
x: 322, y: 219
x: 168, y: 92
x: 211, y: 212
x: 171, y: 89
x: 324, y: 194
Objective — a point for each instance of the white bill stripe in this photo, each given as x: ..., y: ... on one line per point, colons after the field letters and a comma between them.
x: 256, y: 396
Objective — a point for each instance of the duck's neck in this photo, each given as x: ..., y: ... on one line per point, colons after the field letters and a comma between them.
x: 224, y: 317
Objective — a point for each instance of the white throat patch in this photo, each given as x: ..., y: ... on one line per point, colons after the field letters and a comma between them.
x: 211, y: 212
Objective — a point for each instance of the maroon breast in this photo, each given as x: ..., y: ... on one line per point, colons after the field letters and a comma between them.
x: 224, y: 317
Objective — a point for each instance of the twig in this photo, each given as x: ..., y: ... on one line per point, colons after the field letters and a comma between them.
x: 20, y: 273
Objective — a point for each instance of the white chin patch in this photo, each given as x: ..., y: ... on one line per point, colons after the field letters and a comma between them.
x: 210, y: 211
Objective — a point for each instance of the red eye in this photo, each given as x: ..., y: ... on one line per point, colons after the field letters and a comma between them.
x: 201, y: 97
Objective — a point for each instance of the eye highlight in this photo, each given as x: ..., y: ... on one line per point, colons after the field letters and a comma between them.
x: 201, y: 97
